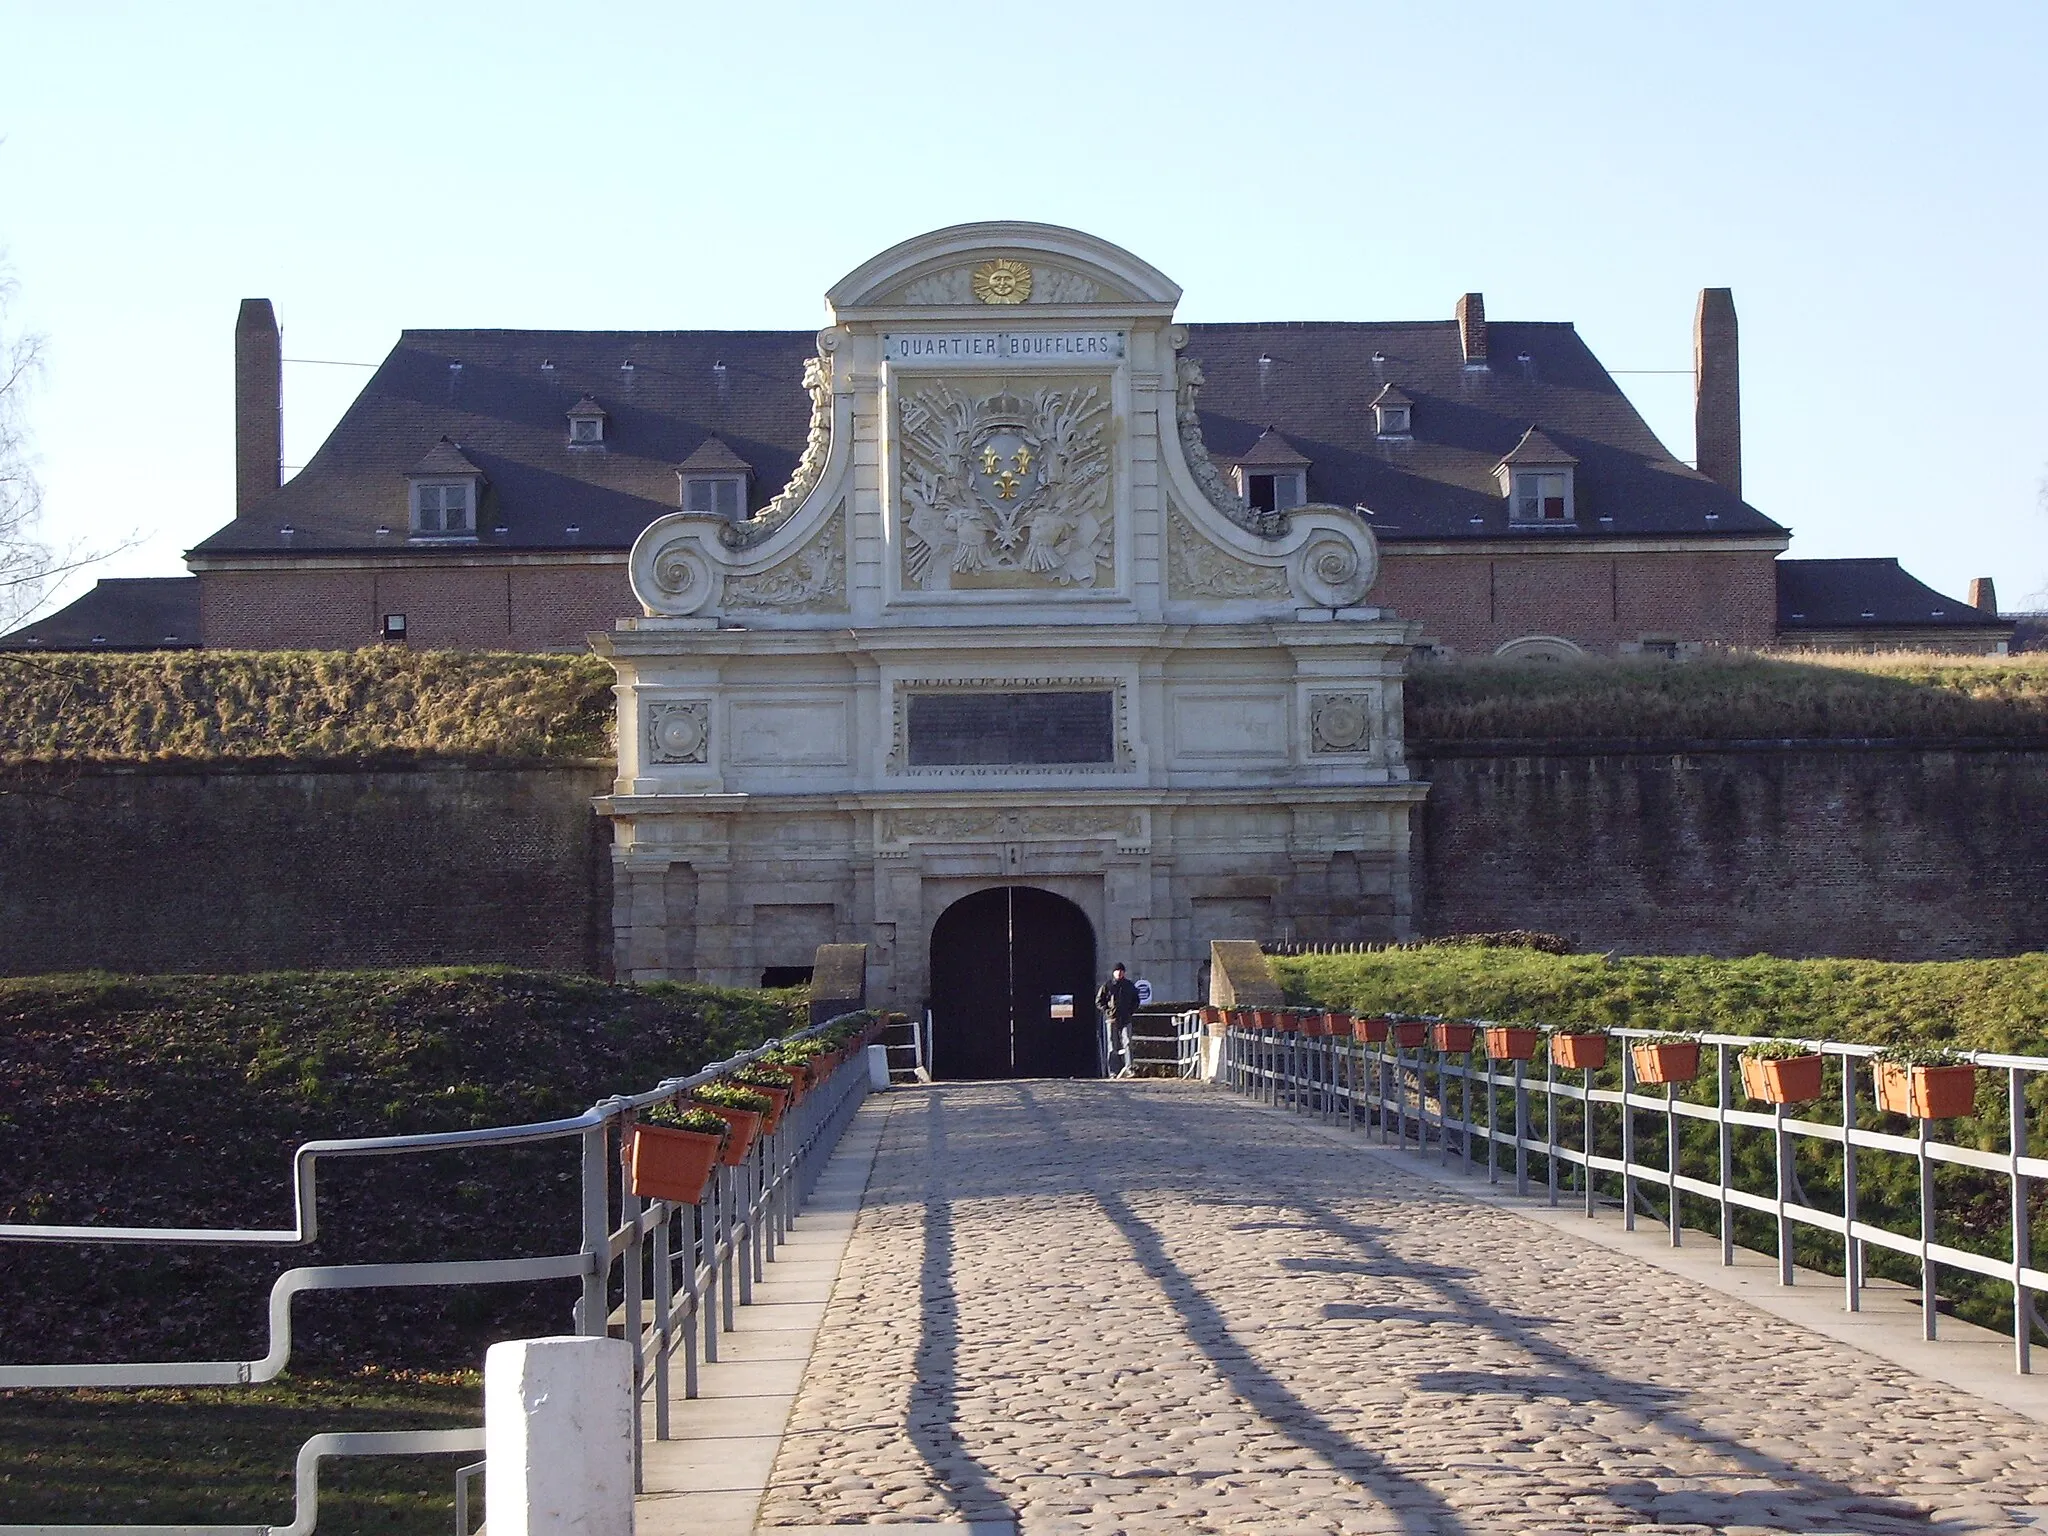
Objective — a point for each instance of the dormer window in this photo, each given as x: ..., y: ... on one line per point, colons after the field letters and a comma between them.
x: 444, y: 489
x: 1272, y: 477
x: 1542, y: 496
x: 442, y: 508
x: 586, y: 422
x: 1393, y: 413
x: 1537, y: 478
x: 714, y: 480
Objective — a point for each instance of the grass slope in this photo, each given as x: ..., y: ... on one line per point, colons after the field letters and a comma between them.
x: 1999, y: 1005
x: 1978, y: 1004
x: 178, y: 1100
x: 388, y: 701
x: 1736, y: 697
x: 381, y: 701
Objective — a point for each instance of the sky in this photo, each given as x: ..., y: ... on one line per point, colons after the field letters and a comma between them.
x: 1867, y: 178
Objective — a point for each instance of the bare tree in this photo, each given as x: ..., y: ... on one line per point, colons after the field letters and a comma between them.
x: 26, y: 562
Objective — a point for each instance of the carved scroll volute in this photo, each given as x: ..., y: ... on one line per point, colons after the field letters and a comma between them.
x: 1336, y: 566
x: 670, y: 572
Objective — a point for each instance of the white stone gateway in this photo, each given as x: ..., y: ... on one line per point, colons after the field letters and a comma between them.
x: 1007, y: 630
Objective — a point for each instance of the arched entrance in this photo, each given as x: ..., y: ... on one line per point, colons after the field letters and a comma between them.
x: 999, y: 958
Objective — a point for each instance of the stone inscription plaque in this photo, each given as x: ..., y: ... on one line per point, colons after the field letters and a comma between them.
x: 1004, y: 730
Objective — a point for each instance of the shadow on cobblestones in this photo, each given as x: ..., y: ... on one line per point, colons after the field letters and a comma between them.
x: 1824, y: 1505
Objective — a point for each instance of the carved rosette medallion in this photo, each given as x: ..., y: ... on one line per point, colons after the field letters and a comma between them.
x: 1198, y: 568
x: 1340, y: 722
x: 1002, y: 281
x: 1010, y: 489
x: 813, y: 580
x: 679, y: 732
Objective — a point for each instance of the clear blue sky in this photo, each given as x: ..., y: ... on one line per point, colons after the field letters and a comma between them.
x: 1868, y: 178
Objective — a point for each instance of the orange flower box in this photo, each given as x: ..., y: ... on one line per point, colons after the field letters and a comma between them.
x: 778, y: 1097
x: 1656, y: 1064
x: 743, y: 1126
x: 1927, y: 1092
x: 1371, y: 1029
x: 668, y: 1164
x: 1338, y: 1024
x: 1782, y: 1079
x: 1512, y: 1044
x: 1311, y: 1024
x: 1266, y: 1018
x: 1452, y: 1039
x: 1584, y: 1051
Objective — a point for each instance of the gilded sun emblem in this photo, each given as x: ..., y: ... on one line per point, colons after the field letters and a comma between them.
x: 1002, y: 281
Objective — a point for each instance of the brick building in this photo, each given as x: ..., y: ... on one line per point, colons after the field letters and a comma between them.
x: 1521, y: 503
x: 485, y: 488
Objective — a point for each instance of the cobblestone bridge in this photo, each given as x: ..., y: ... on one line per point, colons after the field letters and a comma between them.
x: 1153, y: 1307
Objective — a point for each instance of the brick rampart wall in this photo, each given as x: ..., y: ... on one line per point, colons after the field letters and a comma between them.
x: 162, y: 871
x: 498, y: 608
x: 1901, y: 854
x: 1476, y: 603
x: 1882, y: 853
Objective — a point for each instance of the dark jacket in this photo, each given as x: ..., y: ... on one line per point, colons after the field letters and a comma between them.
x: 1117, y: 997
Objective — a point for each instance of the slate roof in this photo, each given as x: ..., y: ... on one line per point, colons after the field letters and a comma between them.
x: 1271, y: 452
x: 1868, y: 594
x: 1536, y: 448
x: 1312, y: 381
x: 120, y: 613
x: 714, y: 458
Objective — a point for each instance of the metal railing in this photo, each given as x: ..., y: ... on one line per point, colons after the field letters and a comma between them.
x: 703, y: 1259
x: 1460, y: 1103
x: 1183, y: 1047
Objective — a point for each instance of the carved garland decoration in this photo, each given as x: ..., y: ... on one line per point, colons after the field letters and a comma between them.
x: 817, y: 449
x: 813, y: 580
x: 1052, y: 821
x: 1188, y: 383
x: 1198, y: 568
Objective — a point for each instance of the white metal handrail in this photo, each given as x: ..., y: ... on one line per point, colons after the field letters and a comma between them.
x: 747, y: 1211
x: 1457, y: 1102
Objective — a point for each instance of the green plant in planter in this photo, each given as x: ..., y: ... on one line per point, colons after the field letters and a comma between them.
x: 1665, y: 1058
x: 1782, y: 1071
x: 677, y: 1117
x: 1777, y: 1050
x: 732, y: 1095
x: 1917, y: 1054
x: 754, y: 1077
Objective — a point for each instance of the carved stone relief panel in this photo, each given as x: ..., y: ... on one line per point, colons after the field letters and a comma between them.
x: 1197, y: 568
x: 813, y: 580
x: 1340, y: 722
x: 679, y: 732
x: 1006, y: 488
x: 1004, y: 280
x: 947, y: 824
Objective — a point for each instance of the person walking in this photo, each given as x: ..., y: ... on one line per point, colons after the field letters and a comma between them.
x: 1117, y: 1001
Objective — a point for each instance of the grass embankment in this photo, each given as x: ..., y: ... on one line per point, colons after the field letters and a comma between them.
x: 1736, y: 697
x: 177, y: 1101
x: 248, y: 706
x: 1986, y: 1005
x: 389, y: 702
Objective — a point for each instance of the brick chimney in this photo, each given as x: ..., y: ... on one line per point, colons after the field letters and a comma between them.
x: 1472, y: 329
x: 259, y: 404
x: 1717, y: 390
x: 1984, y: 595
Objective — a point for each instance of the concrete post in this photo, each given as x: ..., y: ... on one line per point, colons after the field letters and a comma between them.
x: 558, y: 1437
x: 878, y: 1067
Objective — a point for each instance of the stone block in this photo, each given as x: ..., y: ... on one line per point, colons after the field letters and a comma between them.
x: 558, y: 1436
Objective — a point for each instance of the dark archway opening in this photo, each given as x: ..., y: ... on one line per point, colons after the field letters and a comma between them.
x: 1000, y: 958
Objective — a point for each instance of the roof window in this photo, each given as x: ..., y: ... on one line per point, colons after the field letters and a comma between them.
x: 1537, y: 478
x: 586, y: 423
x: 1272, y: 477
x: 445, y: 488
x: 714, y: 479
x: 1393, y: 413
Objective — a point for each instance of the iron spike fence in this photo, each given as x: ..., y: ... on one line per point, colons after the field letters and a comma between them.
x: 1416, y: 1094
x: 702, y: 1259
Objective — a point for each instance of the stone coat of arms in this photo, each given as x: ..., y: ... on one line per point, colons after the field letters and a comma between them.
x: 1008, y: 490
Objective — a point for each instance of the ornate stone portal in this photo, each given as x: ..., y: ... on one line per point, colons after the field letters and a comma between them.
x: 1007, y: 625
